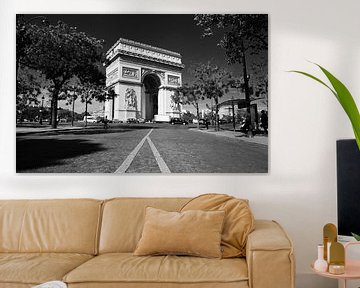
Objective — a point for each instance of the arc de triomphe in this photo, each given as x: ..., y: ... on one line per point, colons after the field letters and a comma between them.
x: 143, y: 78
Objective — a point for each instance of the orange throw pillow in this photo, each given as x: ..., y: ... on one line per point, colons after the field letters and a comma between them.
x: 196, y: 233
x: 239, y: 220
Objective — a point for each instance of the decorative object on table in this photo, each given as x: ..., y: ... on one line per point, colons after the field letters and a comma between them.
x: 329, y: 236
x: 320, y: 264
x: 337, y: 258
x: 341, y: 267
x: 51, y: 284
x: 344, y: 97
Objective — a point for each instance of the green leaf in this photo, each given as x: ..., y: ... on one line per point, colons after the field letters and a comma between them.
x: 344, y: 97
x: 316, y: 79
x: 356, y: 236
x: 347, y: 102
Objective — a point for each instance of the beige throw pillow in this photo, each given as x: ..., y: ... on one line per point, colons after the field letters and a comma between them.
x: 238, y: 223
x: 196, y: 233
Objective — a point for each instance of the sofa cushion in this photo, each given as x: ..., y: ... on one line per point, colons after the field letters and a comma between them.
x: 36, y: 268
x: 123, y: 220
x: 62, y: 226
x: 126, y: 268
x: 193, y: 232
x: 238, y: 223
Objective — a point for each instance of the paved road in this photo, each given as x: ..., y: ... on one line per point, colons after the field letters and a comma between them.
x: 157, y: 149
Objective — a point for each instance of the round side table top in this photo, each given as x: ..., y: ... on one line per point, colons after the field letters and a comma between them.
x: 352, y: 271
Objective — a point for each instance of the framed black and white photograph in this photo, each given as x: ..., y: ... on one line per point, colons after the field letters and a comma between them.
x: 142, y: 93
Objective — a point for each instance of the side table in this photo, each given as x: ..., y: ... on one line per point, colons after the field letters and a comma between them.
x: 352, y: 269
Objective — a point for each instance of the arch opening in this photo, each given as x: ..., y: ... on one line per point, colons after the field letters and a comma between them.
x: 151, y: 84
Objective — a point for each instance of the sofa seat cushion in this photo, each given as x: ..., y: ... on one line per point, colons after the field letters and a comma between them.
x: 127, y: 268
x: 36, y: 268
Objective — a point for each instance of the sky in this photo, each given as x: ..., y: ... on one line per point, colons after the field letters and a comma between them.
x: 175, y: 32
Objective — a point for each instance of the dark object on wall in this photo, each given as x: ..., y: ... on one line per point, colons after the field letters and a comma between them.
x: 348, y: 187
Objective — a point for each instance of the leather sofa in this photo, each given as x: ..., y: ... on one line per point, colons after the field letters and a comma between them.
x: 89, y: 243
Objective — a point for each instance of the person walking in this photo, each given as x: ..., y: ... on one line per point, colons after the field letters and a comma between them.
x: 264, y: 121
x: 106, y: 121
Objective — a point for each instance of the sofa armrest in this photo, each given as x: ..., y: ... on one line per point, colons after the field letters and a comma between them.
x: 269, y: 256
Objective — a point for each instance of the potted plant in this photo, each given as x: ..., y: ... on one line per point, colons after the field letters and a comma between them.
x: 346, y: 100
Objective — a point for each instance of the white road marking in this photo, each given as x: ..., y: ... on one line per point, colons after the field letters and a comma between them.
x: 159, y: 160
x: 129, y: 159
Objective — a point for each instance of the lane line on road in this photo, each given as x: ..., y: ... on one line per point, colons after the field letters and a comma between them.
x: 130, y: 158
x: 159, y: 160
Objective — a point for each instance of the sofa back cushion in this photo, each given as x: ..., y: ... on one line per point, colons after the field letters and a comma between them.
x: 66, y: 226
x: 123, y: 220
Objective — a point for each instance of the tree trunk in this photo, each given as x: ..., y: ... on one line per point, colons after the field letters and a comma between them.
x: 113, y: 107
x: 73, y: 113
x: 198, y: 115
x: 86, y: 104
x: 50, y: 112
x: 54, y: 106
x: 233, y: 113
x: 212, y: 113
x: 217, y: 127
x: 246, y: 80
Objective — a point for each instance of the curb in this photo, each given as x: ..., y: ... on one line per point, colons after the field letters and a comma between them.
x: 230, y: 134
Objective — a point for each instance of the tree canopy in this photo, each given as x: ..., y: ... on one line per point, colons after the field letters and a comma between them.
x: 213, y: 83
x: 242, y: 34
x: 190, y: 94
x: 59, y: 51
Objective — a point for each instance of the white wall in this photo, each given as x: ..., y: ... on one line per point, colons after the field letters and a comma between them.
x: 305, y: 120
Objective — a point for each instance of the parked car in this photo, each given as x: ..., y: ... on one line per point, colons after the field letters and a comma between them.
x: 174, y: 121
x: 223, y: 121
x: 90, y: 119
x: 132, y: 120
x: 205, y: 122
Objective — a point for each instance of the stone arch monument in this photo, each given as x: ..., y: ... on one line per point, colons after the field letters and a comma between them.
x: 143, y: 78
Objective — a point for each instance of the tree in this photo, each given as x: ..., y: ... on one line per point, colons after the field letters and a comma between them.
x: 28, y: 87
x: 188, y: 116
x: 92, y: 87
x: 213, y: 82
x: 260, y: 82
x: 61, y: 52
x: 111, y: 95
x: 191, y: 95
x: 71, y: 94
x: 243, y: 34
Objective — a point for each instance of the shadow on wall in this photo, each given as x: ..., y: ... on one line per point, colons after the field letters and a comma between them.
x: 37, y: 153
